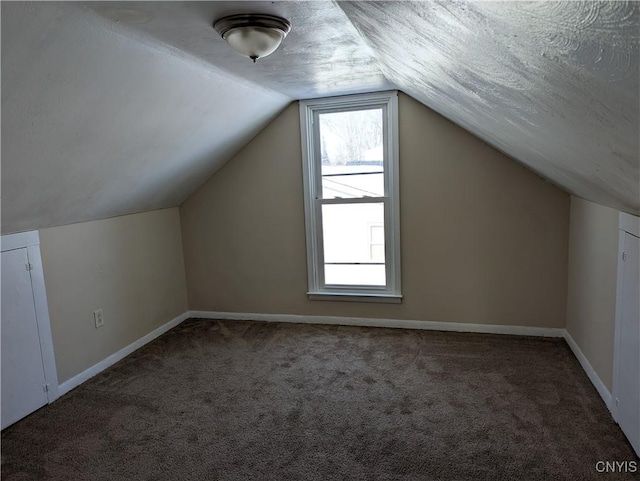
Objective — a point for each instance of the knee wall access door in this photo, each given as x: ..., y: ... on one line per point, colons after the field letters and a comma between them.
x: 626, y: 389
x: 28, y: 379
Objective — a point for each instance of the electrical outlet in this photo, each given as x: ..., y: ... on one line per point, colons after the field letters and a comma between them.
x: 98, y: 318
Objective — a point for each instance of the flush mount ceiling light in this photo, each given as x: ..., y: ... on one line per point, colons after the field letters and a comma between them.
x: 253, y: 35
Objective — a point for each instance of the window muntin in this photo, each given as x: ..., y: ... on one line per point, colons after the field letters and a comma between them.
x: 351, y: 195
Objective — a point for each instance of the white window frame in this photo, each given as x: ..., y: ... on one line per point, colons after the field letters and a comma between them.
x: 312, y: 180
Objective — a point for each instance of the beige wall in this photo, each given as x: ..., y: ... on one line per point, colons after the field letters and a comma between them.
x: 591, y: 298
x: 131, y: 267
x: 484, y: 240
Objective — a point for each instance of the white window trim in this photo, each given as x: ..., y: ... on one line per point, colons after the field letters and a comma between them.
x: 312, y: 185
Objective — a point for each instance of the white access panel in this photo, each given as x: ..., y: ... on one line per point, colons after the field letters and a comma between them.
x: 627, y: 369
x: 23, y: 375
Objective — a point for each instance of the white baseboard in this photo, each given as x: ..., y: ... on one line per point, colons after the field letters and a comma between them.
x: 344, y: 321
x: 75, y: 381
x: 393, y: 323
x: 591, y: 373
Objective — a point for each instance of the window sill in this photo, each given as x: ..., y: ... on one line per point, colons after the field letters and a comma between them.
x: 355, y: 297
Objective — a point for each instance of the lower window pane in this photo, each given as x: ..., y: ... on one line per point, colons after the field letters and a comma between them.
x: 351, y: 232
x: 355, y: 275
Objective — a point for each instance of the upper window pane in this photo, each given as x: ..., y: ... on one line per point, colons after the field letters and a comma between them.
x: 352, y: 154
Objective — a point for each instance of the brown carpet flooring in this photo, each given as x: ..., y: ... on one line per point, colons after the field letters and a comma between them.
x: 218, y: 400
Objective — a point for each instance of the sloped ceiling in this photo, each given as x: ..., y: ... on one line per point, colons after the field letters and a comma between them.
x: 97, y: 123
x: 553, y: 84
x: 110, y: 108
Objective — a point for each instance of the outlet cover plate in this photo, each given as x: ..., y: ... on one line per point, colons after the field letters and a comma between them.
x: 98, y: 318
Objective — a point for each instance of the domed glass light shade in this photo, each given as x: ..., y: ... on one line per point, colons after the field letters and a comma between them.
x: 254, y: 35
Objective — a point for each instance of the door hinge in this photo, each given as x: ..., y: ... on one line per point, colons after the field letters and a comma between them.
x: 624, y: 256
x: 45, y: 387
x: 29, y: 266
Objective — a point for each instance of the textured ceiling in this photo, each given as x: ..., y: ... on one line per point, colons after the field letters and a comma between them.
x: 322, y: 55
x: 97, y: 122
x: 111, y: 108
x: 553, y: 84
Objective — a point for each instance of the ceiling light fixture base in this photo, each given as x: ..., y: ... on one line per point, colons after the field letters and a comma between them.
x: 253, y: 35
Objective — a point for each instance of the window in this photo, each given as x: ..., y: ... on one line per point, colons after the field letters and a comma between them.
x: 352, y: 211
